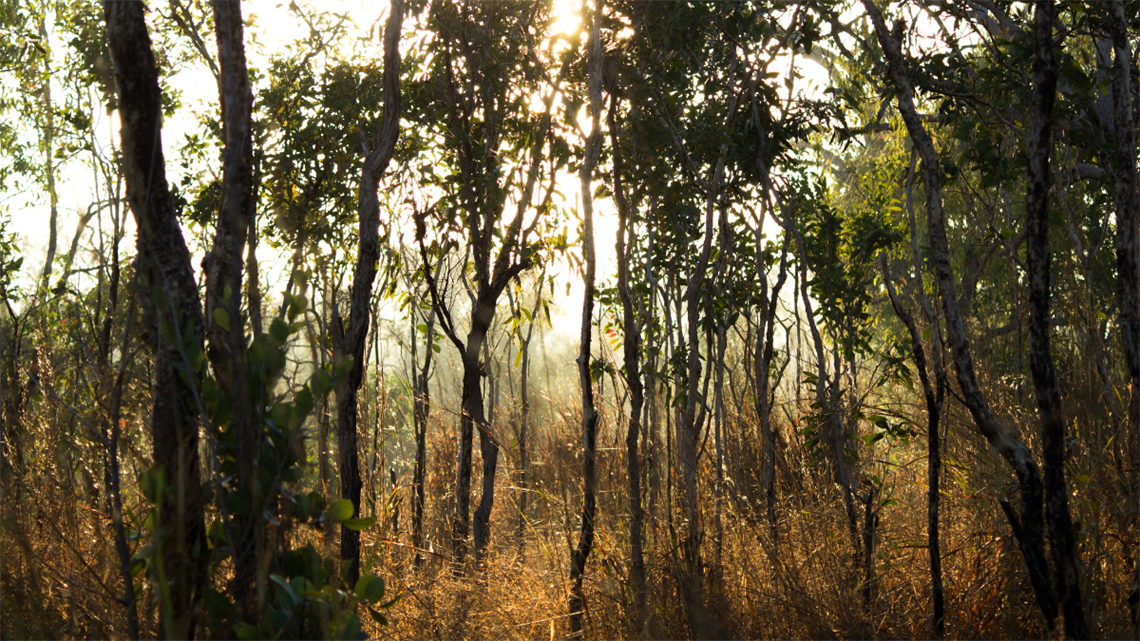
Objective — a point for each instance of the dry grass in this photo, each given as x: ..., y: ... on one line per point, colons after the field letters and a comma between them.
x: 60, y: 579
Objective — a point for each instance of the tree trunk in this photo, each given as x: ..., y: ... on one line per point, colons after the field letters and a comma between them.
x: 766, y: 343
x: 1028, y: 526
x: 933, y: 399
x: 473, y: 417
x: 581, y: 553
x: 253, y: 277
x: 1127, y: 197
x: 421, y: 409
x: 173, y: 315
x: 48, y: 114
x: 1038, y: 263
x: 348, y: 342
x: 832, y: 432
x: 223, y: 270
x: 631, y: 345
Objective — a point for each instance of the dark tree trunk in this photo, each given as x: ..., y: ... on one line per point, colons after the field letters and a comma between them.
x: 1127, y: 247
x: 488, y: 445
x: 421, y: 409
x: 832, y: 432
x: 493, y: 271
x: 348, y: 342
x: 581, y: 552
x: 1027, y: 527
x: 223, y: 268
x: 253, y: 276
x: 765, y: 345
x: 631, y: 346
x: 1038, y: 263
x: 523, y: 417
x: 173, y: 315
x: 48, y: 114
x: 933, y: 399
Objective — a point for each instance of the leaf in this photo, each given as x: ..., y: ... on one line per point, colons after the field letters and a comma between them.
x: 293, y: 596
x: 340, y: 511
x: 221, y: 317
x: 343, y: 367
x: 377, y: 617
x: 359, y: 524
x: 370, y: 589
x: 279, y: 331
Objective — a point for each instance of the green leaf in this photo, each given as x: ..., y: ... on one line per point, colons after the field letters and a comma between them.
x: 343, y: 366
x: 377, y: 617
x: 340, y: 511
x: 293, y: 596
x: 222, y: 318
x: 370, y: 589
x: 279, y: 331
x: 359, y: 524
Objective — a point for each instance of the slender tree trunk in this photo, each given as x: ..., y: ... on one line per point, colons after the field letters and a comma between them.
x: 48, y: 114
x: 223, y: 268
x: 114, y: 498
x: 348, y: 342
x: 933, y: 398
x: 1028, y: 526
x: 581, y: 552
x: 473, y: 418
x: 1038, y: 262
x: 69, y: 261
x: 421, y: 409
x: 832, y: 432
x: 689, y: 426
x: 253, y: 277
x: 523, y: 421
x: 766, y: 343
x: 1127, y: 196
x: 631, y: 345
x: 173, y: 314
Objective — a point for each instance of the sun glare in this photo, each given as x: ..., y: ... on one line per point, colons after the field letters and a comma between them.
x: 567, y: 16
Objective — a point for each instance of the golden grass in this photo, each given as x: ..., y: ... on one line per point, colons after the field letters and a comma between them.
x: 59, y: 577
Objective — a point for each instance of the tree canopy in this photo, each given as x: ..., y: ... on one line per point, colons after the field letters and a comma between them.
x: 861, y: 357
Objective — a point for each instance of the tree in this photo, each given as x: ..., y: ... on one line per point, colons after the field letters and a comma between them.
x: 466, y: 99
x: 581, y: 552
x: 174, y: 319
x: 349, y: 341
x: 1026, y: 526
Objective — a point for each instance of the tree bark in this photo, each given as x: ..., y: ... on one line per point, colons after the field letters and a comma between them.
x: 173, y: 315
x: 832, y: 432
x: 348, y: 342
x: 223, y: 268
x: 765, y: 345
x: 581, y: 552
x: 1038, y: 263
x: 631, y: 346
x: 1127, y: 195
x: 48, y: 114
x: 421, y: 409
x: 1016, y: 454
x: 933, y: 398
